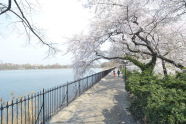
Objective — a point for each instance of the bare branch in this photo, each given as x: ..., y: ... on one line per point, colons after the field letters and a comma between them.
x: 6, y: 8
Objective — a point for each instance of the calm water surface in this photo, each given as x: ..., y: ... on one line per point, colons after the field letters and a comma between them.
x: 15, y: 83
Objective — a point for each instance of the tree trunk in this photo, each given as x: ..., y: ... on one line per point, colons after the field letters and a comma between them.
x: 164, y: 68
x: 145, y: 68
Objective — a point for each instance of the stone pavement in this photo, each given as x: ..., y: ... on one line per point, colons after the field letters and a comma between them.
x: 105, y: 103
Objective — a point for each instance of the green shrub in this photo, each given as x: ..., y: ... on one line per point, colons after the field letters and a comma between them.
x: 166, y: 106
x: 174, y: 83
x: 181, y: 76
x: 158, y: 101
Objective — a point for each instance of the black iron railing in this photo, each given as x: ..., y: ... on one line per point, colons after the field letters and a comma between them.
x: 38, y: 108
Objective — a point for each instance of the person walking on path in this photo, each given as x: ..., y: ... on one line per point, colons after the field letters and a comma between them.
x: 118, y: 73
x: 114, y: 73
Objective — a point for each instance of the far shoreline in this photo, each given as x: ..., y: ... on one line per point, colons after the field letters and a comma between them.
x: 33, y: 69
x: 38, y: 69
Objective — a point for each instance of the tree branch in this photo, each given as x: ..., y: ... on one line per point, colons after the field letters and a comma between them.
x: 26, y: 23
x: 178, y: 65
x: 7, y: 8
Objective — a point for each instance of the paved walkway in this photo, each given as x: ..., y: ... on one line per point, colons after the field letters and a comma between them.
x: 106, y: 102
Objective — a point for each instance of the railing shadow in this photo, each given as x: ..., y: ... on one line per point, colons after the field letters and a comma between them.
x: 119, y: 113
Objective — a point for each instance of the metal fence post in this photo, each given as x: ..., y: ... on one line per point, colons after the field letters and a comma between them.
x: 87, y: 84
x: 12, y: 112
x: 79, y: 88
x: 67, y: 93
x: 21, y: 110
x: 43, y: 106
x: 92, y: 79
x: 125, y: 73
x: 1, y: 113
x: 7, y: 112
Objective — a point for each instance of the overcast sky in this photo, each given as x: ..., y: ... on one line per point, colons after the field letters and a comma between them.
x: 57, y: 20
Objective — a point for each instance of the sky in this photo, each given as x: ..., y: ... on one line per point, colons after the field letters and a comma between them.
x: 57, y: 21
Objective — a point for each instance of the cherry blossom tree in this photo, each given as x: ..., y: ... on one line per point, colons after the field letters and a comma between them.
x: 139, y: 31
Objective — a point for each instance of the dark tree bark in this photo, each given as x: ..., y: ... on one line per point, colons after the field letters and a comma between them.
x: 146, y: 68
x: 164, y: 68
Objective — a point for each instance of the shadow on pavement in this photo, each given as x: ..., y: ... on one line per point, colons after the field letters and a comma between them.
x: 119, y: 113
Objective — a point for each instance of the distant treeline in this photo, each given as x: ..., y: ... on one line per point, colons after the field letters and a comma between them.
x: 10, y: 66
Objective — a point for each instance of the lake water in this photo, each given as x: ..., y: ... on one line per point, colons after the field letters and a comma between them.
x: 15, y: 83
